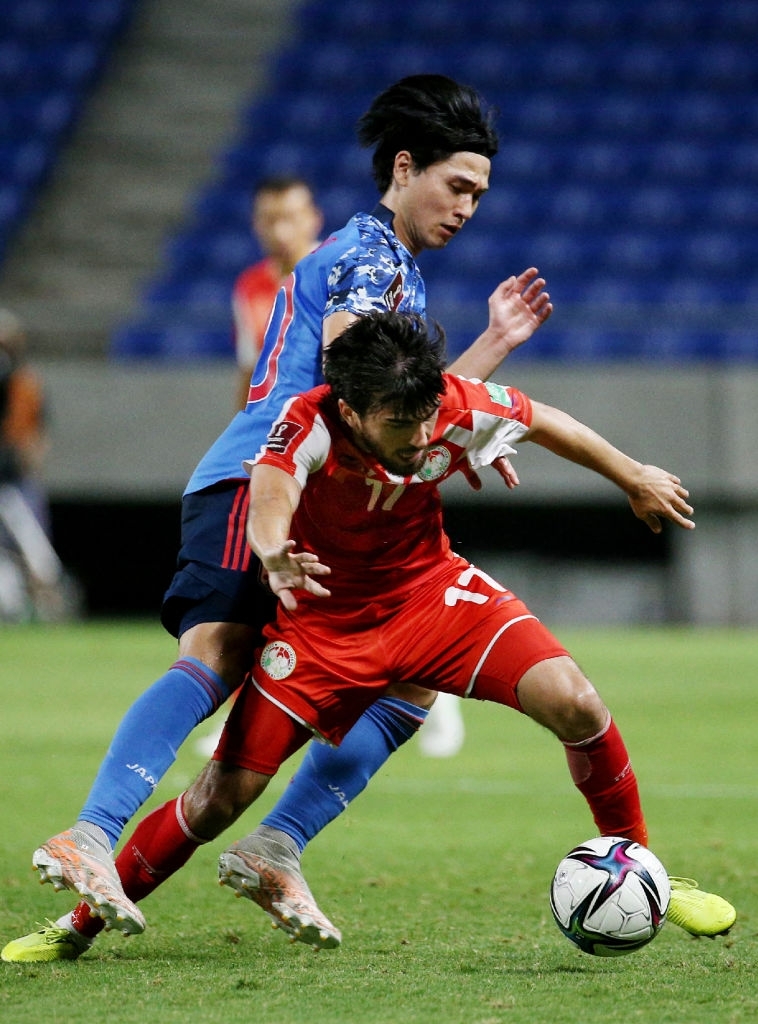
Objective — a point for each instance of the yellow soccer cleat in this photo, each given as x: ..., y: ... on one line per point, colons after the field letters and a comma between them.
x: 49, y: 943
x: 698, y: 912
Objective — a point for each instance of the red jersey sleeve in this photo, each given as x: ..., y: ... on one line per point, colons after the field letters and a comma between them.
x: 298, y: 442
x: 486, y: 419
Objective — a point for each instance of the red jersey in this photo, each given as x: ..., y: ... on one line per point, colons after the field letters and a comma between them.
x: 382, y: 534
x: 252, y: 301
x: 404, y: 607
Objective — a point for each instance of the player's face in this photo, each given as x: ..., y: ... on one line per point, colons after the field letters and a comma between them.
x: 287, y: 224
x: 431, y: 206
x: 398, y: 442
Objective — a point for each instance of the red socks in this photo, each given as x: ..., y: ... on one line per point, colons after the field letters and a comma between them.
x: 158, y: 847
x: 603, y: 774
x: 84, y: 922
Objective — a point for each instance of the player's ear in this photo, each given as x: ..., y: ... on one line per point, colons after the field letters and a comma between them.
x: 350, y: 416
x: 403, y: 167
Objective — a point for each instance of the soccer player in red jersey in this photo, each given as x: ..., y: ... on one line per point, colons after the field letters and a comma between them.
x: 375, y: 595
x: 432, y: 142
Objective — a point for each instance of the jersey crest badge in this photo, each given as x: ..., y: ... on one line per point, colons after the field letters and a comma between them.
x: 437, y: 464
x: 278, y: 659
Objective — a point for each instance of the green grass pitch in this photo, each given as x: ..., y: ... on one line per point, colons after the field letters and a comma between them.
x: 437, y: 875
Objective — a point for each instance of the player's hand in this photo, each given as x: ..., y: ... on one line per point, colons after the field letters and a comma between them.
x: 518, y: 306
x: 505, y: 468
x: 501, y: 465
x: 288, y: 571
x: 658, y: 494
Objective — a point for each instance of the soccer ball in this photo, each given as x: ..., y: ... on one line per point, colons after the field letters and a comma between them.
x: 609, y: 896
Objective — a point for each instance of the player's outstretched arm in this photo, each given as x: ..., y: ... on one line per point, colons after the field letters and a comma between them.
x: 274, y: 497
x: 653, y: 493
x: 517, y: 307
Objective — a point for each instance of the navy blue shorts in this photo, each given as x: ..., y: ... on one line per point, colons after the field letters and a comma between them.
x: 217, y: 576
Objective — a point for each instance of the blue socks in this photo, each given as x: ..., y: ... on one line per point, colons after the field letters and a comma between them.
x: 149, y: 735
x: 146, y: 742
x: 329, y: 778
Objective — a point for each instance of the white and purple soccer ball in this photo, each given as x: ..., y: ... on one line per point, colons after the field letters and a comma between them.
x: 609, y: 896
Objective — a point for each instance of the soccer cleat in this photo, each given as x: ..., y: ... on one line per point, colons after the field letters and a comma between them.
x: 74, y: 860
x: 49, y: 943
x: 698, y: 912
x: 265, y: 868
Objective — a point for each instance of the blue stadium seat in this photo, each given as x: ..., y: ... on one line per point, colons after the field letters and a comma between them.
x: 51, y: 53
x: 24, y: 162
x: 42, y: 114
x: 53, y: 19
x: 180, y: 342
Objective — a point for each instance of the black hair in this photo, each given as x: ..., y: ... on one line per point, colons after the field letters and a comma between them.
x: 280, y: 183
x: 386, y: 359
x: 430, y: 116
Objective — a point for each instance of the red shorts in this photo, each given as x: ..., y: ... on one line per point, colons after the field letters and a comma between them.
x: 460, y: 632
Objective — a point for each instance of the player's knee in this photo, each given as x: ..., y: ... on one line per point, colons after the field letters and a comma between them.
x: 225, y: 647
x: 580, y: 715
x: 559, y: 696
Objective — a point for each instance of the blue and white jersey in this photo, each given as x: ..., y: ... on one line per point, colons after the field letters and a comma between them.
x: 360, y: 268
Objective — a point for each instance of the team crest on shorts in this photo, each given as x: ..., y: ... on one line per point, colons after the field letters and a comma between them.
x: 278, y: 659
x: 436, y: 465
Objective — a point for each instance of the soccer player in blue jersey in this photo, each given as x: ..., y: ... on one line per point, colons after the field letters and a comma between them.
x: 432, y: 142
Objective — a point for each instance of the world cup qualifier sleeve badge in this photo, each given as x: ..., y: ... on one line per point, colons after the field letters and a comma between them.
x: 278, y: 659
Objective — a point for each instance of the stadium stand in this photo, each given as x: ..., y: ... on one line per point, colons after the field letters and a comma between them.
x: 627, y: 169
x: 51, y: 56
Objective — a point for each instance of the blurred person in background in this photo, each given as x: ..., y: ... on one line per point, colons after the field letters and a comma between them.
x: 33, y: 583
x: 287, y: 225
x: 23, y: 421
